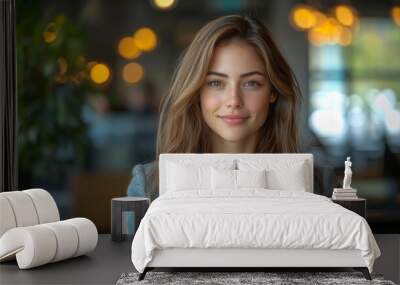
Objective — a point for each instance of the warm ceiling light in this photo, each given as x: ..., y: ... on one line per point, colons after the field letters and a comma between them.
x: 316, y: 37
x: 145, y: 39
x: 127, y: 48
x: 303, y: 17
x: 345, y: 15
x: 324, y: 33
x: 345, y: 36
x: 396, y: 15
x: 335, y: 30
x: 324, y: 28
x: 132, y: 72
x: 328, y: 27
x: 164, y: 4
x: 319, y: 16
x: 50, y: 33
x: 99, y: 73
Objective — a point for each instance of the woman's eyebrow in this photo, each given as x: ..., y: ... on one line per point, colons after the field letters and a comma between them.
x: 242, y: 75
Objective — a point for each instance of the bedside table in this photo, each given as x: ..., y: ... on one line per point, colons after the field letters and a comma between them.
x: 358, y: 206
x: 138, y: 205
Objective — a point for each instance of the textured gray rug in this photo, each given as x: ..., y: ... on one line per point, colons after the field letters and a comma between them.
x: 229, y: 278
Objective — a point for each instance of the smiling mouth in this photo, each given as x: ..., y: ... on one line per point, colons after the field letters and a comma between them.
x: 234, y: 121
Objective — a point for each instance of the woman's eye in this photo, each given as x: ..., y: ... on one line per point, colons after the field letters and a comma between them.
x: 252, y: 83
x: 214, y: 83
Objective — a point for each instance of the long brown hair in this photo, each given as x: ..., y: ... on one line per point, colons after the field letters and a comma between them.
x: 181, y: 127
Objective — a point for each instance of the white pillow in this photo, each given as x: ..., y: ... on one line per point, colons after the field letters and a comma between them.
x: 281, y: 175
x: 293, y: 180
x: 188, y: 175
x: 251, y: 178
x: 236, y: 179
x: 223, y: 179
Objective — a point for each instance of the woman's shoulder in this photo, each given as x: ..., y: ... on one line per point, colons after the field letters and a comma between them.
x: 147, y: 167
x: 142, y: 168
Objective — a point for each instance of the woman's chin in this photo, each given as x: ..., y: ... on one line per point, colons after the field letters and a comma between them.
x: 233, y: 138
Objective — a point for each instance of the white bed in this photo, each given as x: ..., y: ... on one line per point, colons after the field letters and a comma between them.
x: 282, y: 224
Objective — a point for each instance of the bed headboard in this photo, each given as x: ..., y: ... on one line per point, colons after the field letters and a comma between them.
x: 210, y: 157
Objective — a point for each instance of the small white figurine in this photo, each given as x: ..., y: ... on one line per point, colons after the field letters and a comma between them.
x: 347, y: 174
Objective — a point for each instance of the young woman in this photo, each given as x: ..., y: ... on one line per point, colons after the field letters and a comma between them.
x: 232, y: 92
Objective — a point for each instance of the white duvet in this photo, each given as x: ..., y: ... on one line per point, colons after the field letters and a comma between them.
x: 251, y: 218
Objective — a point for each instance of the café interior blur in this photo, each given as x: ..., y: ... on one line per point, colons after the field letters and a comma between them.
x: 91, y: 75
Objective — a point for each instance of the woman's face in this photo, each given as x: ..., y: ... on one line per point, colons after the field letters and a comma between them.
x: 236, y: 85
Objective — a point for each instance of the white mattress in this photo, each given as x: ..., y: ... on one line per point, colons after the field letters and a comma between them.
x: 252, y: 218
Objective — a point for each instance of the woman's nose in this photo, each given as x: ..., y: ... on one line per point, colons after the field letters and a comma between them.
x: 234, y: 97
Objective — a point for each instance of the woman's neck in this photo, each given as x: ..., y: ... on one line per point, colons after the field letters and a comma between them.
x: 247, y: 145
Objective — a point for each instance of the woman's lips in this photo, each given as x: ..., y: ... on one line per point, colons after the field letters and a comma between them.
x: 234, y: 120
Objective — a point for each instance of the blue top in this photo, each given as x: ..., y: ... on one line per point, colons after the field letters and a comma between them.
x: 140, y: 186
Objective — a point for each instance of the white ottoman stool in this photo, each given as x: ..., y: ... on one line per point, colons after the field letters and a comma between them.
x: 31, y: 230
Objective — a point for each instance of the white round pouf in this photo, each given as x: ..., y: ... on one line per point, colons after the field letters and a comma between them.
x: 87, y: 233
x: 45, y: 205
x: 31, y: 230
x: 23, y: 208
x: 7, y: 218
x: 67, y: 239
x: 33, y: 246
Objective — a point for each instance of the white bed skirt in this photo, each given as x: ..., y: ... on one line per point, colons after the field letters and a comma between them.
x: 235, y: 257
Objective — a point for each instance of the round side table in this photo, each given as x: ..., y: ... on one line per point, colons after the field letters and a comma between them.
x: 138, y: 205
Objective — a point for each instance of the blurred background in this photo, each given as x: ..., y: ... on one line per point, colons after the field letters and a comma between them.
x: 91, y: 74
